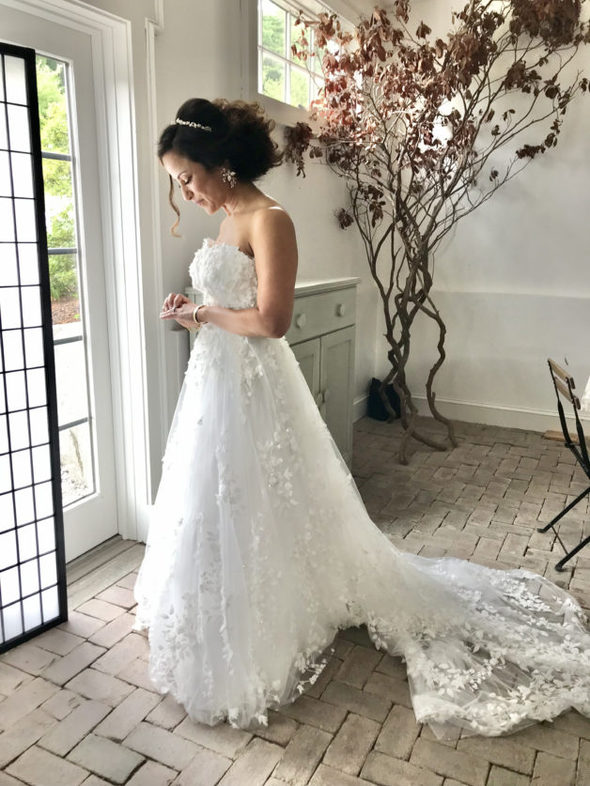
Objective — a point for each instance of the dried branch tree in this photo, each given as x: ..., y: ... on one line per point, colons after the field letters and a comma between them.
x: 425, y: 130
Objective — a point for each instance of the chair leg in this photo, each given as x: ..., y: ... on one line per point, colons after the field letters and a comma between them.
x: 572, y: 553
x: 564, y: 511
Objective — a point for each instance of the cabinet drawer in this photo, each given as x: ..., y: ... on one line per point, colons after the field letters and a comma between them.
x: 321, y: 313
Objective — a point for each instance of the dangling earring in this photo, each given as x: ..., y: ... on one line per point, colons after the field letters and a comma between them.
x: 229, y: 176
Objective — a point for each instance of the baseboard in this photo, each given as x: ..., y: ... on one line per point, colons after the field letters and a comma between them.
x: 359, y: 407
x: 495, y: 415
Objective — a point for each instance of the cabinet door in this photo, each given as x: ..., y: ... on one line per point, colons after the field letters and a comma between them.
x: 336, y: 384
x: 308, y: 357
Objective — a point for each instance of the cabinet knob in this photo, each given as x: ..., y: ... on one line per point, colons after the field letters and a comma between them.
x: 340, y: 310
x: 319, y: 398
x: 326, y: 394
x: 300, y: 320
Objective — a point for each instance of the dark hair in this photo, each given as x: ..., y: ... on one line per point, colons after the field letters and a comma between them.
x: 239, y: 137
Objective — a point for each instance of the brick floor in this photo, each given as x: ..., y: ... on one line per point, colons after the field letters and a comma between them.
x: 76, y: 706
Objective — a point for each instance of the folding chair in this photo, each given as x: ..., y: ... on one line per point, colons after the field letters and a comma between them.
x: 564, y: 386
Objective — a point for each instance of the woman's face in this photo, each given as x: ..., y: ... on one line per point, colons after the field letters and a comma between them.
x: 206, y: 189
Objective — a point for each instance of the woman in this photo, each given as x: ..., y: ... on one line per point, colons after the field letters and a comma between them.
x: 261, y: 548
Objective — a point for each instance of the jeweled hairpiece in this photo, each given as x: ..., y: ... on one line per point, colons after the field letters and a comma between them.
x: 192, y: 124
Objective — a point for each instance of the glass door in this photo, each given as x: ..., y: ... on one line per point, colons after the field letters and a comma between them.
x: 78, y: 238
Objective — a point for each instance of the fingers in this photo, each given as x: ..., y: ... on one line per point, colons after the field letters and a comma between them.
x: 177, y: 307
x: 174, y: 300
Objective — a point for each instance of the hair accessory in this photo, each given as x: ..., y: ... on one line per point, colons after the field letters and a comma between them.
x: 229, y: 176
x: 192, y: 124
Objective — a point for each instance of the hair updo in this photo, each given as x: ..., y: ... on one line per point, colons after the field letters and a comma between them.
x: 240, y: 138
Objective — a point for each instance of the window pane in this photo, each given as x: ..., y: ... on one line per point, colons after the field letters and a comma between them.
x: 65, y: 298
x: 18, y: 128
x: 29, y: 577
x: 37, y: 387
x: 23, y: 502
x: 16, y: 89
x: 13, y: 350
x: 19, y: 430
x: 3, y: 137
x: 76, y: 463
x: 26, y: 228
x: 31, y: 300
x: 32, y: 611
x: 10, y: 307
x: 299, y: 88
x: 50, y: 603
x: 28, y: 263
x: 34, y: 347
x: 8, y: 267
x: 13, y: 625
x: 7, y: 550
x: 27, y: 542
x: 3, y: 434
x: 297, y: 33
x: 70, y: 371
x: 46, y: 535
x: 39, y: 427
x: 273, y: 28
x: 22, y: 174
x: 41, y: 463
x: 44, y: 500
x: 273, y: 78
x: 5, y: 184
x: 6, y: 502
x: 57, y: 179
x: 53, y: 115
x: 21, y: 468
x: 5, y: 485
x: 318, y: 58
x: 16, y: 393
x: 48, y: 570
x: 6, y: 219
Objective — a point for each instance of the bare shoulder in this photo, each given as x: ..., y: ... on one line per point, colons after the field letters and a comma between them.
x: 271, y: 225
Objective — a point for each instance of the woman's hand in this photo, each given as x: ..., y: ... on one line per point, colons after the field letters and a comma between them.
x: 180, y: 308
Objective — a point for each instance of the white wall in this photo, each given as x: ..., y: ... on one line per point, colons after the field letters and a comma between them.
x: 513, y: 284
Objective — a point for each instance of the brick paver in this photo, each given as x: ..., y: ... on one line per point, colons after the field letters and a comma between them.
x: 82, y: 689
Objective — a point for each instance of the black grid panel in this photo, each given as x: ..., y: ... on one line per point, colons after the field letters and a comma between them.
x: 32, y: 557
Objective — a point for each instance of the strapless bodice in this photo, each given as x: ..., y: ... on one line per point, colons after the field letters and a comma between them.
x: 224, y: 274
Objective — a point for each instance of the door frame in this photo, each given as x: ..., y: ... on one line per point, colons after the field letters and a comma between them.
x: 110, y: 38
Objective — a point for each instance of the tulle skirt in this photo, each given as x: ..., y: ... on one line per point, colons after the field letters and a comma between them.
x: 260, y: 549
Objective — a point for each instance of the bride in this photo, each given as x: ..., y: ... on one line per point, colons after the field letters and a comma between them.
x: 260, y: 547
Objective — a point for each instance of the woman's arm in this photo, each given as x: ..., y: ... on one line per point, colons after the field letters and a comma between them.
x: 273, y: 242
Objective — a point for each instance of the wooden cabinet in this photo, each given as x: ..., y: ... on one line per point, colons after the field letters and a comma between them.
x: 322, y: 336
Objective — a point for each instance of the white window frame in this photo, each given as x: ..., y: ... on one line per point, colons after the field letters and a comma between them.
x: 284, y: 114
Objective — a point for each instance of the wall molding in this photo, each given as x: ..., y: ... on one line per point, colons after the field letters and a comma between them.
x: 495, y: 415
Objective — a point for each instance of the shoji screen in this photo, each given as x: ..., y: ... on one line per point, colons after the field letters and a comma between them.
x: 32, y: 566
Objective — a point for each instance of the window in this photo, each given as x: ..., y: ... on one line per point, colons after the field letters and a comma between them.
x: 282, y: 76
x: 70, y: 345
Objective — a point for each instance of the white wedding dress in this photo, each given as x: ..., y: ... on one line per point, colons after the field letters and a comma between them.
x: 260, y: 549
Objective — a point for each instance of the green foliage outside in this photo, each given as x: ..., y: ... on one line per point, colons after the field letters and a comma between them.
x: 57, y: 178
x: 273, y: 69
